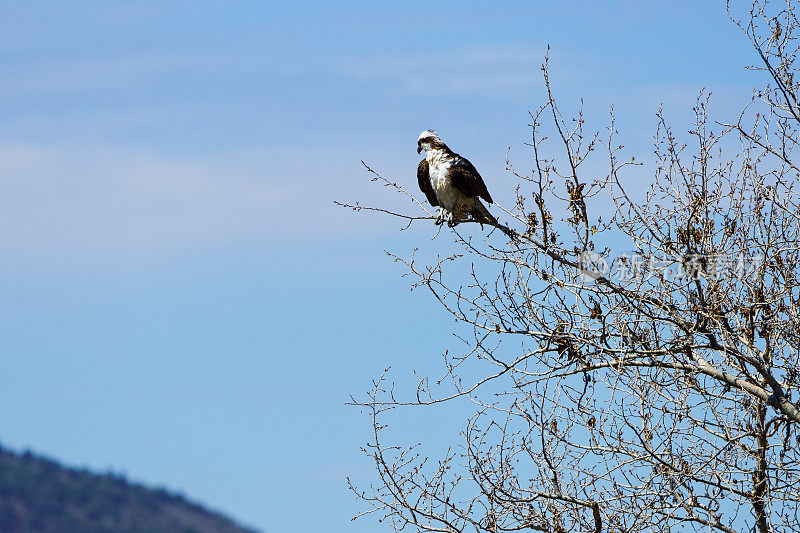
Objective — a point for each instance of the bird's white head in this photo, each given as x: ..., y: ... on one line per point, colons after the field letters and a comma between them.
x: 428, y: 140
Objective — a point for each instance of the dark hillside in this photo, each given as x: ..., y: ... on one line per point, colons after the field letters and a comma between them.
x: 38, y: 495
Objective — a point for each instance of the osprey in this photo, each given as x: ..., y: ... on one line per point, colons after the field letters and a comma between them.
x: 451, y: 182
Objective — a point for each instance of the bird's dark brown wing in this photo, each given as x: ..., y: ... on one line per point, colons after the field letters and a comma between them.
x: 424, y: 179
x: 466, y: 179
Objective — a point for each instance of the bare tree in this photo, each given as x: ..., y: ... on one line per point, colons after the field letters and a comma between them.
x: 646, y: 391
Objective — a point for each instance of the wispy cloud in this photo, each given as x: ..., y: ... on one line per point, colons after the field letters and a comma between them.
x: 115, y: 72
x: 90, y: 203
x: 475, y: 70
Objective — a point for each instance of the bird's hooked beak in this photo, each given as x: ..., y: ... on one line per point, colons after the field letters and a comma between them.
x: 419, y: 148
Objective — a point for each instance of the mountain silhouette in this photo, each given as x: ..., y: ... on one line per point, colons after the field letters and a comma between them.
x: 38, y: 495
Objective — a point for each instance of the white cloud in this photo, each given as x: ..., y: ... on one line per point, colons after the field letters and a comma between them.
x: 477, y: 70
x: 117, y: 72
x: 89, y: 203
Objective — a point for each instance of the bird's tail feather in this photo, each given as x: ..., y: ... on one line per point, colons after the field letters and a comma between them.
x: 482, y: 214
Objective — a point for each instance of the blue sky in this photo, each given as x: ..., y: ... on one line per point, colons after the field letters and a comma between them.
x: 181, y: 301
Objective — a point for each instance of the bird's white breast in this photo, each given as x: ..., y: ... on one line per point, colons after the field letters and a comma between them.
x: 448, y: 196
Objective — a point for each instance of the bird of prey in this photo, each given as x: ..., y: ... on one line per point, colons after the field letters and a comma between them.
x: 451, y: 182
